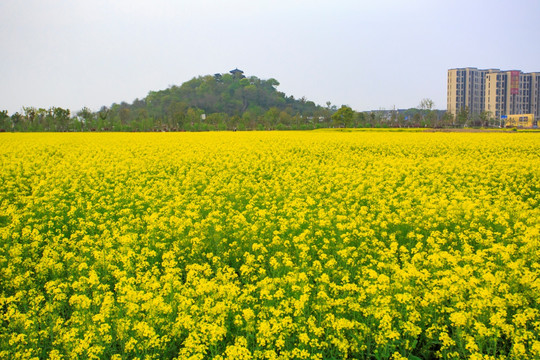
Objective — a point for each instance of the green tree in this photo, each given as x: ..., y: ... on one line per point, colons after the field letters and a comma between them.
x: 343, y: 117
x: 86, y: 118
x: 17, y: 120
x: 5, y: 121
x: 124, y: 115
x: 463, y: 116
x: 360, y: 119
x: 271, y: 118
x: 484, y: 118
x: 29, y: 118
x: 447, y: 119
x: 193, y: 117
x: 429, y: 117
x: 105, y: 118
x: 45, y: 120
x: 61, y: 118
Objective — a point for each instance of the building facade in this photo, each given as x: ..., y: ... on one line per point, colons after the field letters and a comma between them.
x: 495, y: 92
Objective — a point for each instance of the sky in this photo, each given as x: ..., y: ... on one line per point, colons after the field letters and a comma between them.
x: 368, y: 55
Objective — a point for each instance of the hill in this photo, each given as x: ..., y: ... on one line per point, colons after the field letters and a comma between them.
x: 223, y: 101
x: 215, y: 102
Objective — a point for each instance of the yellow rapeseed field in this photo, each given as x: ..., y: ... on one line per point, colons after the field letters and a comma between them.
x: 270, y: 245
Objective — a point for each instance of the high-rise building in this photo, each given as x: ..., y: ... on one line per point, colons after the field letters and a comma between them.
x: 499, y: 93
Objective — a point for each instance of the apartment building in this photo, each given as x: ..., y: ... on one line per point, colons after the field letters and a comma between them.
x: 466, y: 89
x: 499, y: 93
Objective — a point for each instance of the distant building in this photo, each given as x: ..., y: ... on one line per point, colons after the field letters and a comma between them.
x: 237, y: 73
x: 499, y: 93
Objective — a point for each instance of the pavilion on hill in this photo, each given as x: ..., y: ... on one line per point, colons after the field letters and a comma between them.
x: 237, y: 73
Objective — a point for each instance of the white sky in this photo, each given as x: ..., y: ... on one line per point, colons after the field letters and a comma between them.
x: 366, y: 54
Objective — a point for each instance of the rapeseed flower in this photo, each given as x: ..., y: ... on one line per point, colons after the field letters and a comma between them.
x: 270, y: 245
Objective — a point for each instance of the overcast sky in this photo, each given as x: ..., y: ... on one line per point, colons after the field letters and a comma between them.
x: 366, y: 54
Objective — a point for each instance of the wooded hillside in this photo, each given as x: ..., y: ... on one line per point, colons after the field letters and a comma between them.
x: 216, y: 102
x: 223, y: 101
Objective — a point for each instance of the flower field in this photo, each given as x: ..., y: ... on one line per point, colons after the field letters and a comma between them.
x: 270, y: 245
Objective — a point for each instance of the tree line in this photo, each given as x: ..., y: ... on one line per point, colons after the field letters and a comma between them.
x: 56, y: 119
x: 221, y: 102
